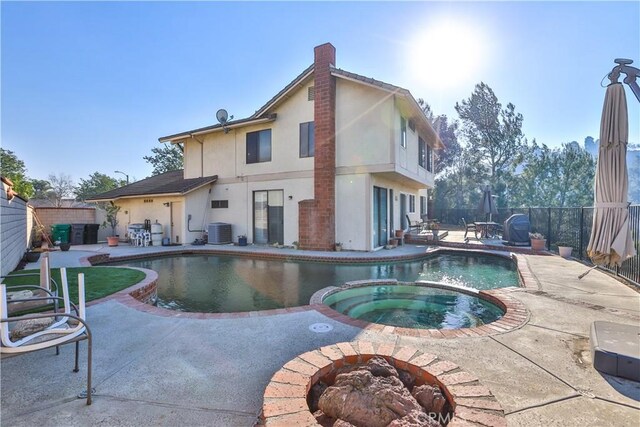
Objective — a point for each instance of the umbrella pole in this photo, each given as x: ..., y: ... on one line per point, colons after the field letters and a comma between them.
x: 587, y: 272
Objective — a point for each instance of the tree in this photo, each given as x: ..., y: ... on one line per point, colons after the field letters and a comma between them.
x: 561, y: 177
x: 494, y: 135
x: 165, y: 159
x: 61, y: 187
x: 448, y: 133
x: 634, y: 182
x: 14, y: 169
x: 41, y: 188
x: 96, y: 184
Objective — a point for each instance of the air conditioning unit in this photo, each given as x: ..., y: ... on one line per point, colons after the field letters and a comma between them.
x: 219, y: 233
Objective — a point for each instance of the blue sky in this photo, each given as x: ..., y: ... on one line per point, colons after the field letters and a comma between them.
x: 90, y: 86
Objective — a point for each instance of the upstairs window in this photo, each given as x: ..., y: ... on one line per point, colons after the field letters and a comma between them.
x: 307, y: 142
x: 422, y: 153
x: 429, y: 158
x: 403, y: 132
x: 259, y: 146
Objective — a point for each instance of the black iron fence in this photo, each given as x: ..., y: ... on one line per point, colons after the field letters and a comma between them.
x: 565, y: 226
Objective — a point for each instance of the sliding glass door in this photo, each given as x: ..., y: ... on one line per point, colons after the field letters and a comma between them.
x: 268, y: 216
x: 380, y: 233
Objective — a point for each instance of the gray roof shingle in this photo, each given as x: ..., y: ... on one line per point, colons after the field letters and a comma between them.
x: 172, y: 182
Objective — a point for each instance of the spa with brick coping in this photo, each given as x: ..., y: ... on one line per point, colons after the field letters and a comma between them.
x: 285, y: 397
x: 515, y: 317
x: 515, y: 314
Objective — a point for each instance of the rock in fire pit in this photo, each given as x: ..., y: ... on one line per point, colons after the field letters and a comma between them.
x: 376, y: 384
x: 372, y: 394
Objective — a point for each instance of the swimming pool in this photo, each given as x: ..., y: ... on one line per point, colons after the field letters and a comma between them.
x: 414, y: 306
x: 225, y: 284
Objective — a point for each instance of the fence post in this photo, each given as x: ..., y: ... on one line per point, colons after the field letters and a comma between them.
x: 581, y: 231
x: 549, y: 229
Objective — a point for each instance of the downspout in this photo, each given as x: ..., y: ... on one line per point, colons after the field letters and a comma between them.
x: 201, y: 155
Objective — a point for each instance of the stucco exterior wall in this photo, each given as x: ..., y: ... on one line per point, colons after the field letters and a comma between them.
x: 13, y: 230
x: 136, y: 210
x: 353, y: 205
x: 198, y: 205
x: 225, y: 154
x: 239, y: 194
x: 364, y: 126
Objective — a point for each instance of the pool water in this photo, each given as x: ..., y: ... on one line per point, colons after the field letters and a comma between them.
x: 225, y: 284
x: 414, y: 307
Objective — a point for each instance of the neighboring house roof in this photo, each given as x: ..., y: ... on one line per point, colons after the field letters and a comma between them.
x: 172, y: 182
x: 261, y: 115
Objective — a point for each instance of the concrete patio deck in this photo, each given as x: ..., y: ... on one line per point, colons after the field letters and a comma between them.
x: 152, y: 370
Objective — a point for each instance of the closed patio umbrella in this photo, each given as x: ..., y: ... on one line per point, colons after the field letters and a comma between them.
x: 487, y: 204
x: 611, y: 242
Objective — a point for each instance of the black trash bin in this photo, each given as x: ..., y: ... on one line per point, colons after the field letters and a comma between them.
x: 91, y: 234
x: 77, y: 234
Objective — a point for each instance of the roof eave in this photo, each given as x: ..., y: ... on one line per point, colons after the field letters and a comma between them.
x: 171, y: 194
x: 217, y: 128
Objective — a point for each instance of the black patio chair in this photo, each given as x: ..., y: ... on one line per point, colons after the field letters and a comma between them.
x: 414, y: 225
x: 468, y: 228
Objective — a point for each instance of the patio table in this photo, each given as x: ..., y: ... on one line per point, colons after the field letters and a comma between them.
x: 487, y: 229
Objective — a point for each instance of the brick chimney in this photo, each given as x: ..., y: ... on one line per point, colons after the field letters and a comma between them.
x: 317, y: 217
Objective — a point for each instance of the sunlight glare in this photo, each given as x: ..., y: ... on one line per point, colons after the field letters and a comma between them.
x: 447, y: 54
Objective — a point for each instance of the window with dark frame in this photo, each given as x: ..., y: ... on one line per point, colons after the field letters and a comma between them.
x: 307, y: 142
x: 219, y: 204
x: 429, y: 158
x: 259, y: 146
x: 403, y: 132
x: 422, y: 153
x: 412, y: 203
x: 423, y: 205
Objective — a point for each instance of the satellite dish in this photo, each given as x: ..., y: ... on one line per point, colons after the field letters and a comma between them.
x: 222, y: 116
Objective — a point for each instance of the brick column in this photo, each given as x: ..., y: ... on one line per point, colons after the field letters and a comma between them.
x: 317, y: 217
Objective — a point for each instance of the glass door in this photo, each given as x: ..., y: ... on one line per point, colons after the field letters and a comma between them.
x: 403, y: 211
x: 268, y: 216
x: 379, y: 216
x: 276, y: 216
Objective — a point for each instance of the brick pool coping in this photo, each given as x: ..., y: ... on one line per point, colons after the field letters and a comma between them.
x: 137, y: 296
x: 285, y: 397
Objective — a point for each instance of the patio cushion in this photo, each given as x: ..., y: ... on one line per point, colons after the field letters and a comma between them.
x: 24, y: 328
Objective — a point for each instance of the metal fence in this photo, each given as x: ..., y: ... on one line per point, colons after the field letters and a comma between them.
x: 569, y: 226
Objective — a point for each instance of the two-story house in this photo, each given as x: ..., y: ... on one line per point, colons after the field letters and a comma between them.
x: 333, y: 157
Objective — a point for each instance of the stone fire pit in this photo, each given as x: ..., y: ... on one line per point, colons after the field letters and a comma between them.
x: 290, y: 397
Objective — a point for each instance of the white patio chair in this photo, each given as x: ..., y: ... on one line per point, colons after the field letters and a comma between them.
x: 47, y: 286
x: 65, y: 327
x: 146, y: 238
x: 136, y: 238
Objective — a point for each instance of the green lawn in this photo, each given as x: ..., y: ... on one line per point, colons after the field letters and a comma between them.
x: 98, y: 281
